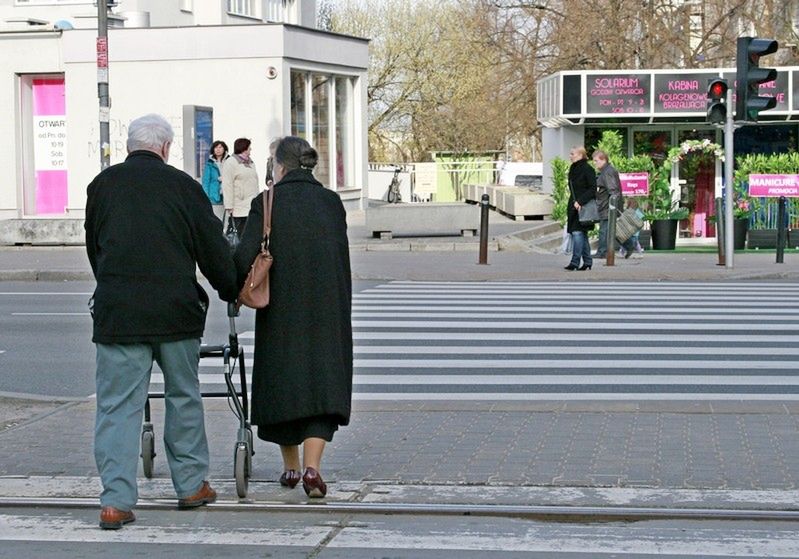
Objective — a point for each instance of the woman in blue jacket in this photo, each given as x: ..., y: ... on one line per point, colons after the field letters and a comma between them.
x: 212, y: 174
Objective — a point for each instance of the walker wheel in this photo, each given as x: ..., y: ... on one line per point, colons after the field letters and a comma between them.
x: 240, y: 469
x: 147, y: 451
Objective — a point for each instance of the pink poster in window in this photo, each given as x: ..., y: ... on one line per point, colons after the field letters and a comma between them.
x: 50, y: 145
x: 634, y: 184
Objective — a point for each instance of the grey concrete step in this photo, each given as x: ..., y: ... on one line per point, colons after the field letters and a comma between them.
x: 545, y: 237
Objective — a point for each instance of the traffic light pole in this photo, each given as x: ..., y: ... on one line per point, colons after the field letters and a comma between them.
x: 729, y: 161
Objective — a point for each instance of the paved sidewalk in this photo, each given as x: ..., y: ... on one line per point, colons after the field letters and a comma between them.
x: 446, y: 264
x: 721, y: 451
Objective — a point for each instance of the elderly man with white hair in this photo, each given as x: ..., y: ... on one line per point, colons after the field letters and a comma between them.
x: 148, y: 227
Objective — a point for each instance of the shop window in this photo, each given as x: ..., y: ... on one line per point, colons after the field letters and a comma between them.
x: 246, y: 8
x: 344, y: 159
x: 773, y: 138
x: 654, y: 143
x: 44, y: 147
x: 320, y: 98
x: 276, y: 11
x: 298, y: 114
x: 593, y: 135
x: 330, y: 128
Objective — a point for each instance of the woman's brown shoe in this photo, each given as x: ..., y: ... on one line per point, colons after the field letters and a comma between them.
x: 313, y: 484
x: 290, y: 478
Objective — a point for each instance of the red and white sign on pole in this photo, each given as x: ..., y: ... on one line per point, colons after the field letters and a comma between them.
x: 774, y: 186
x: 634, y: 184
x: 102, y: 59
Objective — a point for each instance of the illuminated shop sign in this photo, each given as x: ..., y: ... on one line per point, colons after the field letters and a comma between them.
x: 656, y: 93
x: 618, y: 93
x: 681, y: 93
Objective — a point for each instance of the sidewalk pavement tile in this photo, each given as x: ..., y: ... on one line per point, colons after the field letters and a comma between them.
x: 628, y: 448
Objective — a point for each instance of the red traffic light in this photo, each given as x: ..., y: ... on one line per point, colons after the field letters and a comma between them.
x: 717, y: 89
x: 716, y: 105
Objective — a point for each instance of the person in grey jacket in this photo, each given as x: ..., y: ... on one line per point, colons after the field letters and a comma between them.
x: 608, y: 191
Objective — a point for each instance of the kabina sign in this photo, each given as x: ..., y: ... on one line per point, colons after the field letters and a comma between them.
x: 774, y: 186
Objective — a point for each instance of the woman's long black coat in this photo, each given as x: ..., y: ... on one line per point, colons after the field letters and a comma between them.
x: 582, y: 186
x: 303, y: 339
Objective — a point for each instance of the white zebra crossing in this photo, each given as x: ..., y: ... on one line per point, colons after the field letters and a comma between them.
x: 575, y: 341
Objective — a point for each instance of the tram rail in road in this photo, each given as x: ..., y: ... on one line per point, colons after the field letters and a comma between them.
x: 537, y: 512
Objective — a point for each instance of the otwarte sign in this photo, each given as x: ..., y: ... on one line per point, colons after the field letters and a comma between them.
x: 634, y: 184
x: 774, y: 186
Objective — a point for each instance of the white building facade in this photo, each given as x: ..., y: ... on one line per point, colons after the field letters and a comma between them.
x: 249, y: 76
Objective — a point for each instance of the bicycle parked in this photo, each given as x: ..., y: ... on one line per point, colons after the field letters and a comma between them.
x: 394, y: 196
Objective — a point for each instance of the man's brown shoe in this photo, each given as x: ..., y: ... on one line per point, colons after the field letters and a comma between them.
x: 114, y: 519
x: 204, y: 496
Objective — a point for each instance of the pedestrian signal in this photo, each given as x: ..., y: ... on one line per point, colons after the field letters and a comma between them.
x: 716, y: 100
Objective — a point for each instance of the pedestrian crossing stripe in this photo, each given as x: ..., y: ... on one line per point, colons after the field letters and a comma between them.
x: 585, y: 340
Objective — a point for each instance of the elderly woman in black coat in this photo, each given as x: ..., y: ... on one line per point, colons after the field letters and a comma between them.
x: 302, y: 369
x: 582, y: 188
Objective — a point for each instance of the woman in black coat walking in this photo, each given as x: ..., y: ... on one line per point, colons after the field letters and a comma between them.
x: 582, y: 188
x: 302, y: 369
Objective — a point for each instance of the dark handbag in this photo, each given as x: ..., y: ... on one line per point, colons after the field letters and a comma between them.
x: 232, y: 234
x: 588, y: 214
x: 255, y: 292
x: 628, y: 224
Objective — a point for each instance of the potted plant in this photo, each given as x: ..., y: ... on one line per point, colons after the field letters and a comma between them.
x: 664, y: 225
x: 762, y: 212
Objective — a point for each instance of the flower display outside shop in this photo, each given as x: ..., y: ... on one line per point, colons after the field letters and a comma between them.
x: 695, y: 146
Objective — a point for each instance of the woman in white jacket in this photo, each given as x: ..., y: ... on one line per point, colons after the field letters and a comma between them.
x: 239, y: 183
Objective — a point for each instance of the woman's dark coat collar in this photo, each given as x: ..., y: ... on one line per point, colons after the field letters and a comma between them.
x: 299, y: 175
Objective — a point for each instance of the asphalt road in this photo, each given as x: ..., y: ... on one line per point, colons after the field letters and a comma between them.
x: 45, y: 336
x: 480, y: 341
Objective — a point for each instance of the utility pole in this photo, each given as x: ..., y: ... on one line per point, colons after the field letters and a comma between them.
x: 729, y: 161
x: 102, y: 83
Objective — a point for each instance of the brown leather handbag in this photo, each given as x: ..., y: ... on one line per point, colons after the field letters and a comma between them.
x: 255, y: 292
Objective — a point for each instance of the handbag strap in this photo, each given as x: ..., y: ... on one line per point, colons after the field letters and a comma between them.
x: 267, y: 237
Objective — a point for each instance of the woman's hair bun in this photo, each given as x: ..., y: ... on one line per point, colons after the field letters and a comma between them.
x: 309, y: 158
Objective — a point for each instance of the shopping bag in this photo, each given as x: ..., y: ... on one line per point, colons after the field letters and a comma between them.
x: 628, y: 224
x: 566, y: 245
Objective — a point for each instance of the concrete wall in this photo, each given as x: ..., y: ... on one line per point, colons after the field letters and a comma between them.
x: 163, y: 13
x: 37, y: 53
x: 556, y: 143
x: 160, y: 70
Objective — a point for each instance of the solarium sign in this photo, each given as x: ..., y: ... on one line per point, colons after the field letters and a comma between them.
x: 774, y: 186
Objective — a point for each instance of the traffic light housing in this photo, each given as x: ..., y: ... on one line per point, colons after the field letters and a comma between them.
x: 716, y: 100
x: 748, y: 102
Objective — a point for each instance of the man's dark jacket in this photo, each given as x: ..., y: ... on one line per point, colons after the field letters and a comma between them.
x: 148, y: 226
x: 303, y: 339
x: 582, y: 187
x: 608, y: 184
